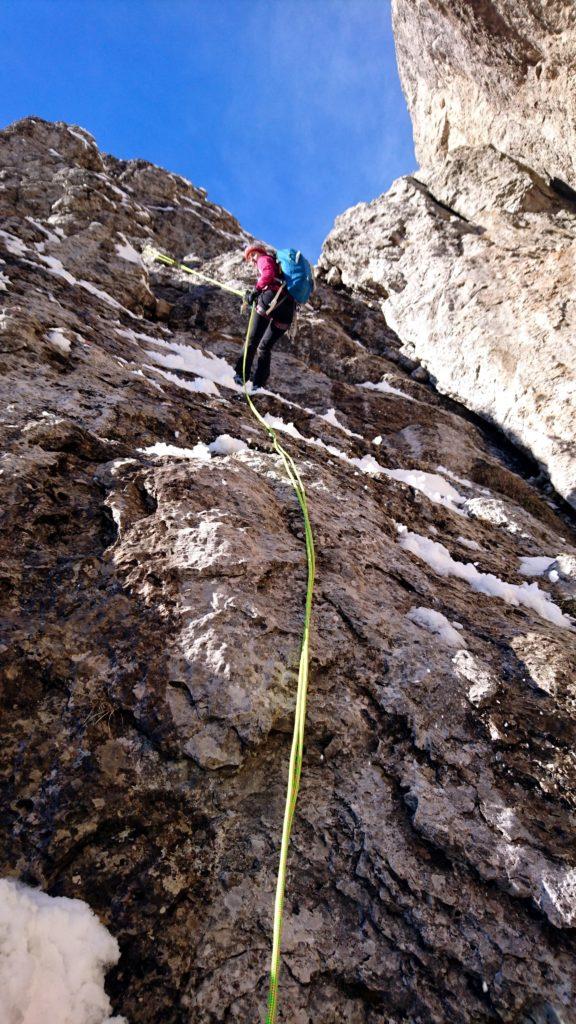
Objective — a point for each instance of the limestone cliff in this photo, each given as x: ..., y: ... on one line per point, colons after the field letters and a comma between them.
x: 473, y: 258
x: 491, y: 72
x: 152, y: 589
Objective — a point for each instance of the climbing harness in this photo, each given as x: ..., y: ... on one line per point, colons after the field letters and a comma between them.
x: 297, y: 748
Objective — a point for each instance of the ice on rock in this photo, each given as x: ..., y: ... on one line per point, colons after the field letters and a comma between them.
x: 470, y: 668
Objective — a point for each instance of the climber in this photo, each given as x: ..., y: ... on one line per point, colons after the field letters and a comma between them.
x: 273, y: 315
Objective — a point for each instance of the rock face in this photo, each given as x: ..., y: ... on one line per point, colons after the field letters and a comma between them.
x: 473, y: 259
x: 153, y: 584
x: 491, y: 72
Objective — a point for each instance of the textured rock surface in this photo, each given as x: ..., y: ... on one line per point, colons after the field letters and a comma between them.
x: 498, y: 72
x: 152, y: 607
x: 474, y: 264
x: 474, y: 257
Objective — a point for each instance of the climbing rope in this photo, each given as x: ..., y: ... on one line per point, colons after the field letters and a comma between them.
x: 297, y: 748
x: 160, y: 257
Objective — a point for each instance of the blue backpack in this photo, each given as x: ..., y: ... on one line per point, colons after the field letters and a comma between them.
x: 298, y: 274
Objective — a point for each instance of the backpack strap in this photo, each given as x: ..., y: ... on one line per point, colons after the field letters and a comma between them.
x: 275, y: 300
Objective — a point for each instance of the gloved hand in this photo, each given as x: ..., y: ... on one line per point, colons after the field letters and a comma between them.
x: 250, y: 295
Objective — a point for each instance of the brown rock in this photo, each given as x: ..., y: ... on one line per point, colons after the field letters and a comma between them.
x: 152, y: 610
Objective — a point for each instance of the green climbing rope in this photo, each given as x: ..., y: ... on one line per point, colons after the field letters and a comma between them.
x: 297, y: 749
x: 160, y: 257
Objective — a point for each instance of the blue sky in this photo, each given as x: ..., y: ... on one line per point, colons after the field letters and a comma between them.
x: 286, y: 111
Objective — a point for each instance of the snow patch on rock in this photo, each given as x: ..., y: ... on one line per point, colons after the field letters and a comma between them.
x: 12, y: 244
x: 224, y: 444
x: 331, y: 418
x: 385, y: 389
x: 435, y: 487
x: 199, y: 451
x: 227, y: 445
x: 53, y: 955
x: 534, y: 565
x: 191, y: 360
x: 527, y: 594
x: 126, y: 251
x: 436, y: 623
x: 58, y: 341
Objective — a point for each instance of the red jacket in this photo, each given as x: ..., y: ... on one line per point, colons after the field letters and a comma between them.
x: 268, y: 273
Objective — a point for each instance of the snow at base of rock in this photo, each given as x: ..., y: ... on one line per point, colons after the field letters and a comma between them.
x: 53, y: 955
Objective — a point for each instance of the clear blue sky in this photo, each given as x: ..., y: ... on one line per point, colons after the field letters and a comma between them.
x: 286, y: 111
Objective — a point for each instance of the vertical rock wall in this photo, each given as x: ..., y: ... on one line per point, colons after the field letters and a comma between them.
x: 473, y: 258
x: 491, y: 72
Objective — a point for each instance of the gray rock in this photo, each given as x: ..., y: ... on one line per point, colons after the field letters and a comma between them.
x: 482, y: 294
x: 497, y: 72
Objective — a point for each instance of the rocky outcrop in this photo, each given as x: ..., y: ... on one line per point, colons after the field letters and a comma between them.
x: 474, y: 263
x: 491, y: 72
x: 152, y: 585
x: 473, y: 258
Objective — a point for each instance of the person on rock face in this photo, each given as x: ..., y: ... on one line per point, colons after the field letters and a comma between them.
x: 272, y: 318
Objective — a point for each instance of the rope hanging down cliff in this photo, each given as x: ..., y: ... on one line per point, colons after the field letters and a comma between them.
x: 297, y: 749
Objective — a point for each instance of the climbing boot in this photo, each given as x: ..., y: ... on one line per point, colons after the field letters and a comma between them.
x: 238, y: 379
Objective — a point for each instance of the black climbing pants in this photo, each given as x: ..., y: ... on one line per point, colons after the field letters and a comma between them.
x: 265, y: 333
